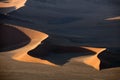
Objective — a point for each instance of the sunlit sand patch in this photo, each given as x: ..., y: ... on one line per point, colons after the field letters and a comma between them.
x: 93, y: 61
x: 12, y: 3
x: 8, y: 6
x: 113, y: 18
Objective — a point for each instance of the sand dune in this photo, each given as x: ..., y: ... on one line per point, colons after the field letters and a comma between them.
x: 36, y: 52
x: 18, y: 63
x: 94, y: 61
x: 82, y: 43
x: 36, y: 39
x: 21, y: 53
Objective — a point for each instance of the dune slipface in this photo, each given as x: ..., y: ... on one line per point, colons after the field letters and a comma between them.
x: 11, y: 38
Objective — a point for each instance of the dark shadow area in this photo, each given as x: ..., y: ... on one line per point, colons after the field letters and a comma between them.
x: 110, y: 58
x: 6, y: 10
x: 11, y: 38
x: 4, y: 13
x: 2, y: 18
x: 63, y: 20
x: 58, y: 54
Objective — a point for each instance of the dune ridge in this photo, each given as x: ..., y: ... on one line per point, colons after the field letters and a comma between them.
x: 94, y: 61
x: 37, y: 37
x: 21, y: 53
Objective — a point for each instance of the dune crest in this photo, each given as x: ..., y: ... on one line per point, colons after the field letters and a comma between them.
x: 94, y: 61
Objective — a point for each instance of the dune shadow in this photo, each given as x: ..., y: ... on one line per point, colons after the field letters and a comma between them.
x: 58, y: 54
x: 11, y: 38
x: 6, y: 9
x: 110, y: 58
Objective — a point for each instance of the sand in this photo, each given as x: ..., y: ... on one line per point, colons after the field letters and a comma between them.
x: 35, y: 39
x: 66, y: 40
x: 29, y: 62
x: 12, y: 38
x: 12, y: 3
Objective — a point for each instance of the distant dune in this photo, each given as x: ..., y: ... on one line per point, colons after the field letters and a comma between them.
x: 7, y: 6
x: 114, y: 18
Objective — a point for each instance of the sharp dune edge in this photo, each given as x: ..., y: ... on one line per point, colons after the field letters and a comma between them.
x: 36, y: 39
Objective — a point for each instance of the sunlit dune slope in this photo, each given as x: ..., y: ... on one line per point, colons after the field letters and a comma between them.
x: 94, y: 61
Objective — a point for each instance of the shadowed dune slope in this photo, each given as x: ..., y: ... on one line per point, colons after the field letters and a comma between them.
x: 12, y: 38
x: 60, y: 54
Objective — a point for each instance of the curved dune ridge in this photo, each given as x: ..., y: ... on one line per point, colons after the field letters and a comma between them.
x: 36, y: 39
x: 21, y: 54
